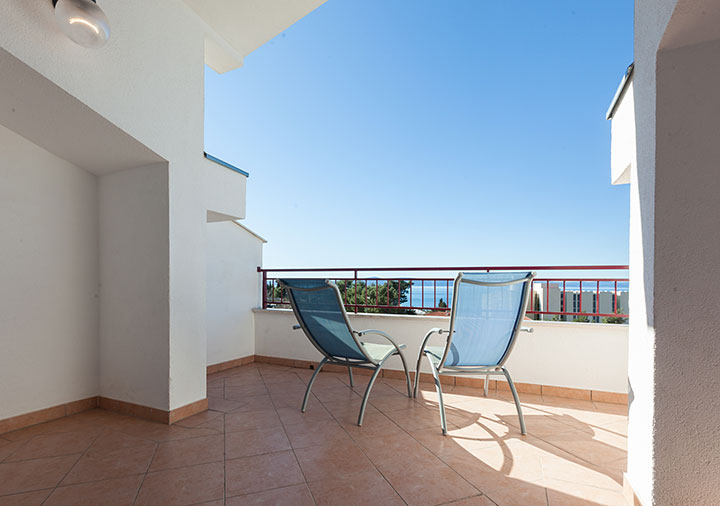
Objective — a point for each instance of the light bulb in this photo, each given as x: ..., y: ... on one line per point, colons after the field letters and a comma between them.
x: 83, y: 22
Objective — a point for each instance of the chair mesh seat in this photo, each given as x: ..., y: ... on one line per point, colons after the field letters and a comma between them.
x: 378, y: 352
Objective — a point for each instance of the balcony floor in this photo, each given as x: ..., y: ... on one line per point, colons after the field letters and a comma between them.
x: 255, y: 447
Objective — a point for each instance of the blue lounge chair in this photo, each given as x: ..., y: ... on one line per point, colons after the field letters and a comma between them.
x: 320, y: 312
x: 487, y: 313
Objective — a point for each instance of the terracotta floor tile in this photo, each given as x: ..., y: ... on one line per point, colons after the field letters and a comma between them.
x: 7, y: 448
x: 206, y: 419
x: 27, y: 499
x: 161, y: 432
x: 375, y: 424
x: 186, y: 452
x: 53, y: 445
x: 367, y: 488
x: 321, y: 462
x: 240, y: 393
x: 582, y: 446
x: 573, y: 494
x: 256, y: 403
x: 391, y: 402
x: 261, y: 472
x: 27, y: 475
x: 521, y: 494
x: 255, y: 442
x: 115, y: 492
x: 393, y: 449
x: 295, y: 495
x: 581, y: 473
x: 182, y: 486
x: 251, y: 420
x: 291, y: 415
x: 222, y: 405
x: 478, y: 500
x: 101, y: 463
x: 428, y: 482
x: 490, y: 468
x: 306, y: 434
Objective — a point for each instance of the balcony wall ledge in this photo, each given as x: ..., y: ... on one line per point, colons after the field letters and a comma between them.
x: 590, y: 357
x: 446, y: 319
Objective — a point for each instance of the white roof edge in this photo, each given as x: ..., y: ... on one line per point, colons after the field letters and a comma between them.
x: 627, y: 78
x: 264, y: 241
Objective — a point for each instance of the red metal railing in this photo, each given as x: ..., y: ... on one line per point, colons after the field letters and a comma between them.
x: 566, y: 297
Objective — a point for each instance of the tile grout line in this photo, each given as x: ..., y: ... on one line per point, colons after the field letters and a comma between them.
x: 73, y: 466
x: 297, y: 461
x: 363, y: 451
x: 142, y: 482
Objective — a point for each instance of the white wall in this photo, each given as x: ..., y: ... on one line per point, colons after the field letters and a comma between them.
x: 233, y: 255
x: 623, y: 151
x: 134, y: 331
x: 148, y: 81
x: 48, y: 279
x: 574, y: 355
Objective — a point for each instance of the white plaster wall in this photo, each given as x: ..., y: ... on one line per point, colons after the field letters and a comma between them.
x: 48, y: 279
x: 224, y: 190
x: 687, y: 276
x: 623, y: 153
x: 148, y: 80
x: 233, y: 255
x: 134, y: 330
x: 575, y: 355
x: 651, y: 19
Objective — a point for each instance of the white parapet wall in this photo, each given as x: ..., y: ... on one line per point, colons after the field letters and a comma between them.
x: 587, y: 356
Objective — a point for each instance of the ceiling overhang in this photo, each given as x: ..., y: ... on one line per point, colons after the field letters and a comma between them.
x: 236, y: 28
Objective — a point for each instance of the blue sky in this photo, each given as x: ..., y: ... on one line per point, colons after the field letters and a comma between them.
x: 418, y: 132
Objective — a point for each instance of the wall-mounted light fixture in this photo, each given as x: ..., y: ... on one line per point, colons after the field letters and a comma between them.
x: 82, y: 21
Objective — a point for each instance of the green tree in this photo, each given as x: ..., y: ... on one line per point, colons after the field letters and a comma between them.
x: 389, y: 293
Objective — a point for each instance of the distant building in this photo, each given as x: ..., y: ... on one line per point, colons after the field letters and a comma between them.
x: 550, y: 297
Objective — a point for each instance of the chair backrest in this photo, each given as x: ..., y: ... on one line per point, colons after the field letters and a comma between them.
x: 487, y: 312
x: 320, y: 311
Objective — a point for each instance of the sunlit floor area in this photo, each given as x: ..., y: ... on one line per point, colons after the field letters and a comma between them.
x: 254, y: 446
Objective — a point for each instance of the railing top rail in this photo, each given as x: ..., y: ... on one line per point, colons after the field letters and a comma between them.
x: 476, y: 268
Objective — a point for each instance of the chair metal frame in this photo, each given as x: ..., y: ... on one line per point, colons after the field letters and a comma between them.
x: 368, y: 363
x: 498, y: 369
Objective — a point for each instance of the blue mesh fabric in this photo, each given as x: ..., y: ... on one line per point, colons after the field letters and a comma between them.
x: 322, y: 313
x: 485, y: 318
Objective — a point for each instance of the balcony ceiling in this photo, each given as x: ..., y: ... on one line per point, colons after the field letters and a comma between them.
x: 235, y: 28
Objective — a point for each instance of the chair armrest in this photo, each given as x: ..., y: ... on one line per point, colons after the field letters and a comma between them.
x: 436, y: 330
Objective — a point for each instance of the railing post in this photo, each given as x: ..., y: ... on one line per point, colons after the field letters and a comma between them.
x: 355, y: 297
x: 264, y: 288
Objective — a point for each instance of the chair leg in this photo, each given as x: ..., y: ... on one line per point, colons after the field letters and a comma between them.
x: 486, y: 384
x: 407, y: 374
x: 517, y: 401
x: 310, y: 383
x: 443, y: 422
x: 352, y: 383
x: 417, y: 374
x: 367, y: 392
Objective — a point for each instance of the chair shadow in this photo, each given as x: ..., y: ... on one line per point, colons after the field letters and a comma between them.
x: 582, y: 435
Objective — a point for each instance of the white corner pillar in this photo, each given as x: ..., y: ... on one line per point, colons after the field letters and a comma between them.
x: 674, y: 433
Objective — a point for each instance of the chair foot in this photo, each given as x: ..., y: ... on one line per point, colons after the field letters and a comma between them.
x: 523, y: 431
